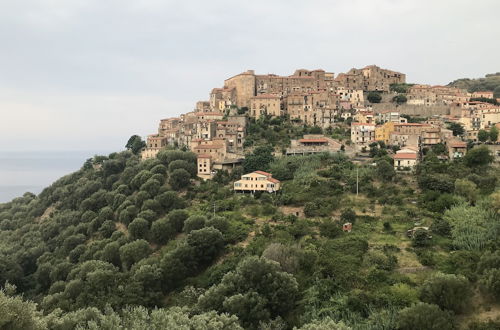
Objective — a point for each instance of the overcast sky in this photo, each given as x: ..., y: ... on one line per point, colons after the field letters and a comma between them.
x: 87, y: 74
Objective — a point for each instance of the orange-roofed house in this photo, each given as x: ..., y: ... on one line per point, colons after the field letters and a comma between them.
x: 405, y: 161
x: 257, y: 181
x: 485, y: 94
x: 457, y: 149
x: 312, y: 144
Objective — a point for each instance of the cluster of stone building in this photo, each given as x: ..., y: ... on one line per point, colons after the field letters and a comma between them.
x: 215, y: 130
x: 216, y: 138
x: 428, y: 95
x: 309, y: 97
x: 394, y: 130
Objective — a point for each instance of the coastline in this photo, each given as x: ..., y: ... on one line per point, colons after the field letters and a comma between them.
x: 32, y: 171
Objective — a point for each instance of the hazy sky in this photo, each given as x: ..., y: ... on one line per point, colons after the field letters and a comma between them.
x: 87, y: 74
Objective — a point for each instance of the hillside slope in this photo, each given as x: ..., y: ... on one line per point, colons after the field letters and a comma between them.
x: 491, y: 82
x: 103, y: 246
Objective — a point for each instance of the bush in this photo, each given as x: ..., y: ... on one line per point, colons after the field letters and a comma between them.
x: 139, y: 228
x: 374, y: 97
x: 177, y: 219
x: 425, y: 316
x: 179, y: 179
x: 330, y: 229
x: 162, y: 230
x: 133, y: 252
x: 490, y: 283
x: 348, y: 215
x: 194, y: 222
x: 179, y: 163
x: 448, y: 291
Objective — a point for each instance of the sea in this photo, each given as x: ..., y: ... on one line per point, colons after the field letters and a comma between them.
x: 32, y: 171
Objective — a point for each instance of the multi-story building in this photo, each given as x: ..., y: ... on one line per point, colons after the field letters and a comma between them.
x: 456, y: 149
x: 222, y: 98
x: 362, y: 134
x: 257, y: 181
x: 404, y: 161
x: 248, y: 84
x: 370, y: 78
x: 265, y: 104
x: 411, y: 128
x: 482, y: 94
x: 383, y: 132
x: 353, y: 96
x: 431, y: 136
x: 312, y: 108
x: 436, y: 95
x: 365, y: 117
x: 154, y: 144
x: 390, y: 116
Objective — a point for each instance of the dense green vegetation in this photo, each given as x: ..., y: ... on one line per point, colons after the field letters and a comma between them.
x: 124, y: 243
x: 491, y: 82
x: 374, y: 97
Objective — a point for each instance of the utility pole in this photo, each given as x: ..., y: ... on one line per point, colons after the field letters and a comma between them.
x: 357, y: 181
x: 214, y: 208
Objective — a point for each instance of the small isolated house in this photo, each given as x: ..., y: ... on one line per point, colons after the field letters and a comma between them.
x: 257, y: 181
x: 347, y: 227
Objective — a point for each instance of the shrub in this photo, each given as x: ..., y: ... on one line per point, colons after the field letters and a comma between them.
x: 138, y: 228
x: 425, y: 316
x: 179, y: 179
x: 194, y: 222
x: 448, y: 291
x: 162, y: 230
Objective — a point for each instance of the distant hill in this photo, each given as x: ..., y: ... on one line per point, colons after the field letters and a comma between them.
x: 491, y: 82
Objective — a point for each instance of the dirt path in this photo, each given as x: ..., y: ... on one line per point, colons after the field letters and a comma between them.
x: 121, y: 227
x: 46, y: 214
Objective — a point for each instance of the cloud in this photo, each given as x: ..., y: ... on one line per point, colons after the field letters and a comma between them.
x: 117, y: 66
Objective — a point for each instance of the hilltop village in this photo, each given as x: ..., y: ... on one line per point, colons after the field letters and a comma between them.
x: 314, y: 201
x: 374, y: 104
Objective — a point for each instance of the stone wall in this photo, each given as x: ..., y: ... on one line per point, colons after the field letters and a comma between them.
x: 415, y: 110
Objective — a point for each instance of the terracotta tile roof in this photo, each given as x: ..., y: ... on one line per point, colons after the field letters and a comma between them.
x: 204, y: 156
x: 263, y: 173
x: 208, y: 146
x: 412, y: 124
x: 199, y: 114
x: 405, y: 156
x: 458, y: 144
x: 320, y: 140
x: 273, y: 180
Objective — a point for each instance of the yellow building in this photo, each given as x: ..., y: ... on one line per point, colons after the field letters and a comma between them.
x: 257, y: 181
x: 383, y: 132
x: 265, y: 104
x: 364, y: 117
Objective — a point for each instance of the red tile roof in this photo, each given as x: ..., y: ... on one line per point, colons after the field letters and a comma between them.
x: 208, y: 146
x: 320, y: 140
x: 263, y: 173
x: 362, y: 124
x: 458, y: 144
x: 199, y: 114
x: 405, y: 156
x: 273, y: 180
x: 204, y: 156
x: 412, y: 124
